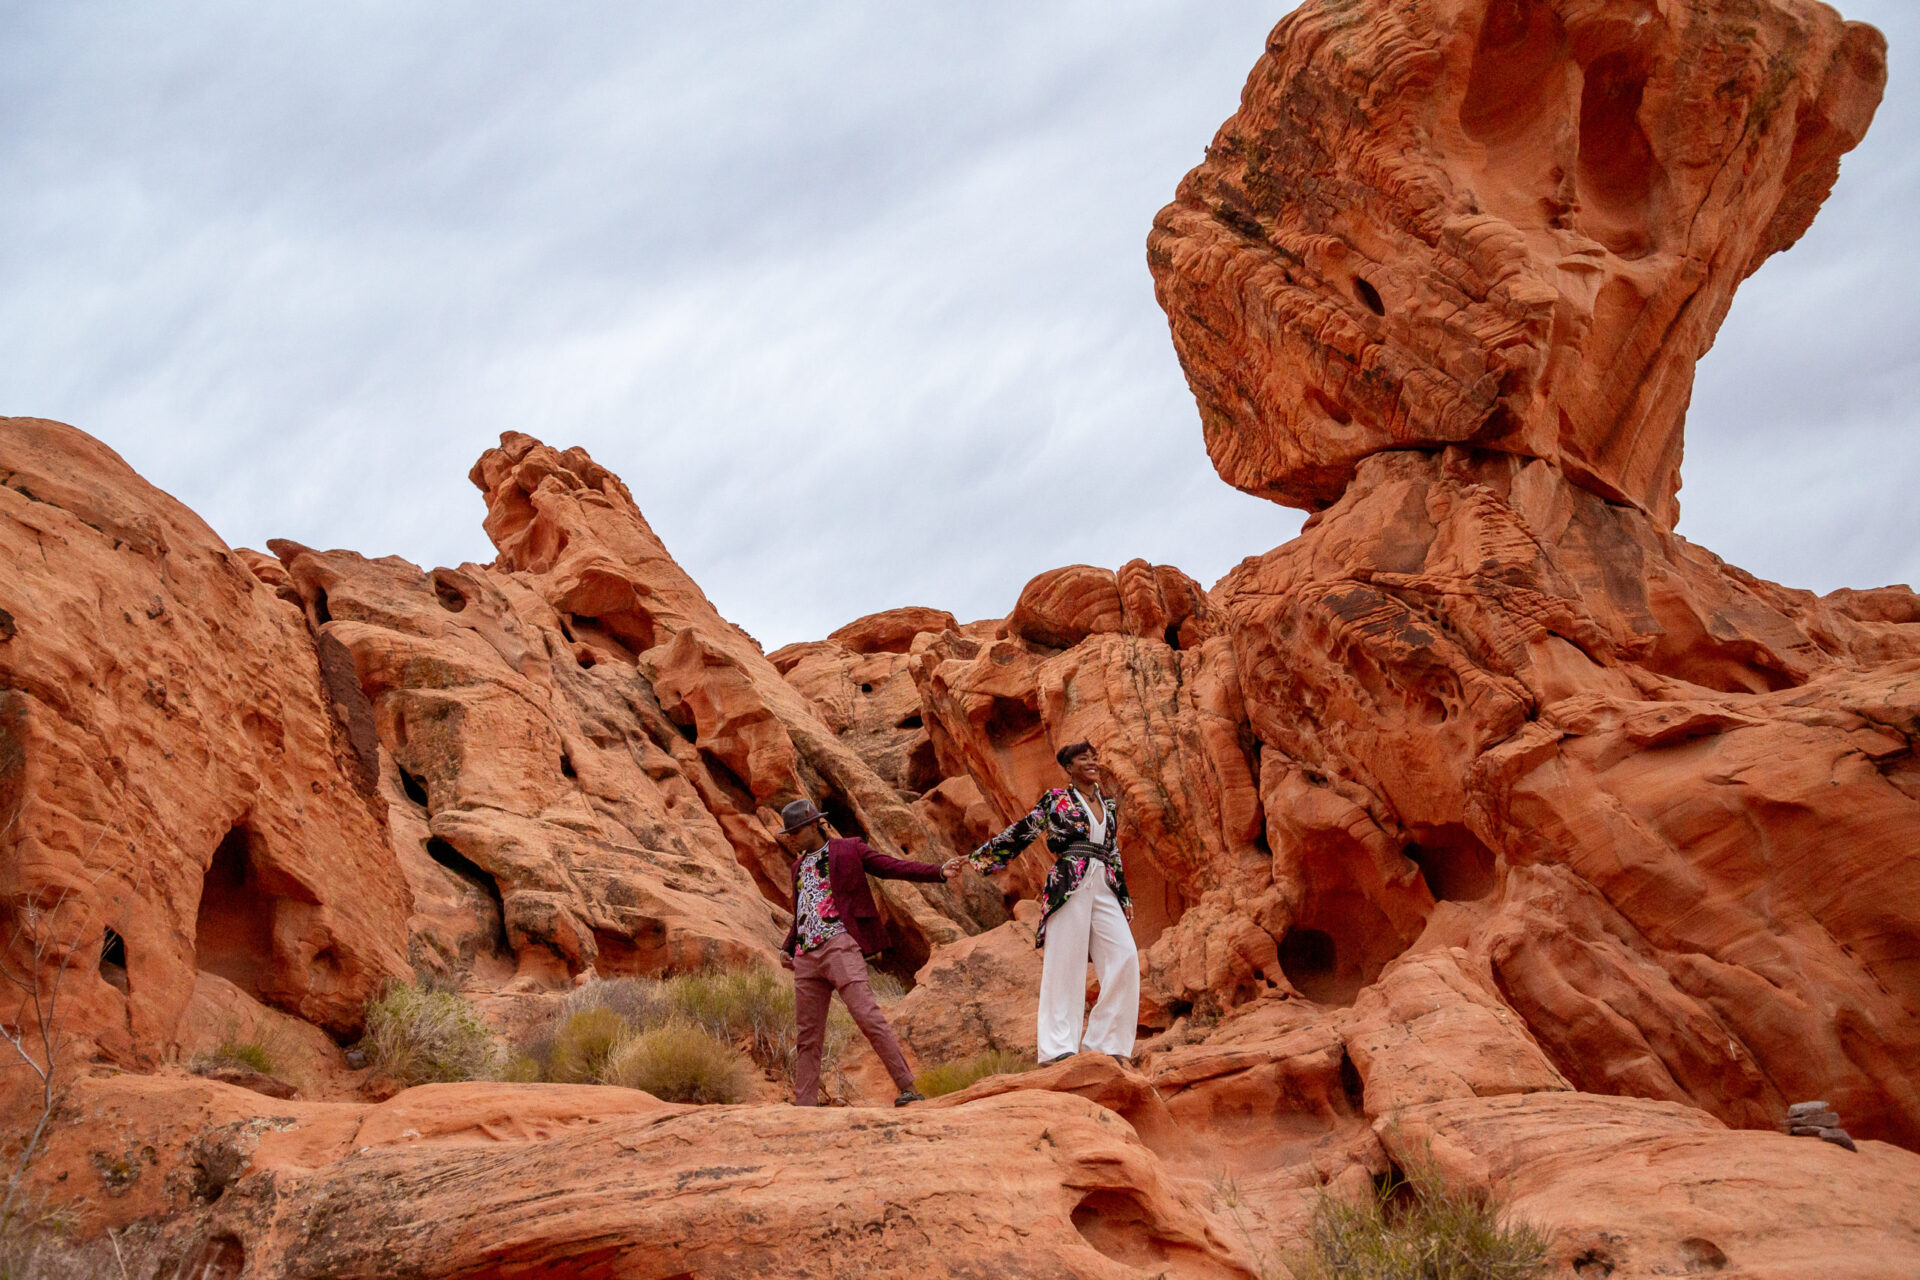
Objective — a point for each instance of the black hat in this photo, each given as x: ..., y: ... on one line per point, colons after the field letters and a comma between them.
x: 797, y: 814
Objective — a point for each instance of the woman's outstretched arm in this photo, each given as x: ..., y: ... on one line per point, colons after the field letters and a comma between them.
x: 1003, y: 848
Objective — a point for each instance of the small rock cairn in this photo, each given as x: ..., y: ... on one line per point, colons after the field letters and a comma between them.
x: 1818, y: 1120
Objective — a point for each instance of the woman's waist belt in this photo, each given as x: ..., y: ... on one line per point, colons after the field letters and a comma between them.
x: 1087, y: 849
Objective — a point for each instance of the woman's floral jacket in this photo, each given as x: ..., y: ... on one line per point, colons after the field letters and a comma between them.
x: 1060, y: 816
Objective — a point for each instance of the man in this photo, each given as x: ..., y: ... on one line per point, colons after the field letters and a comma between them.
x: 1084, y: 913
x: 836, y: 925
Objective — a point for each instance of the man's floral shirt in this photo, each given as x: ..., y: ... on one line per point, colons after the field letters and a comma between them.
x: 1058, y: 814
x: 814, y: 912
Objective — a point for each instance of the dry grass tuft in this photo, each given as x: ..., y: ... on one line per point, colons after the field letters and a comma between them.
x: 421, y: 1036
x: 679, y: 1062
x: 583, y: 1044
x: 1418, y: 1228
x: 250, y: 1054
x: 951, y: 1077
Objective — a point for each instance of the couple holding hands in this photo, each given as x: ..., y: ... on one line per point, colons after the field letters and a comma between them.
x: 1085, y: 911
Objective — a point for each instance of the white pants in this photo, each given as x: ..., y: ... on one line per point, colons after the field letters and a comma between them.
x: 1089, y: 922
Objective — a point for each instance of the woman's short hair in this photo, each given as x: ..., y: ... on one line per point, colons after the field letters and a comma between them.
x: 1071, y: 752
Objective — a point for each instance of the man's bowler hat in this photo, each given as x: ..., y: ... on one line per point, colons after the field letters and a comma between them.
x: 797, y: 814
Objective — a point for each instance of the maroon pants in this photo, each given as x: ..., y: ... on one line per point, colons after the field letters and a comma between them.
x: 836, y: 965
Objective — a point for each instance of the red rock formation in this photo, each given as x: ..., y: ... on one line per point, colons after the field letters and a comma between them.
x: 1510, y: 224
x: 1488, y: 820
x: 177, y: 791
x: 479, y: 1180
x: 1663, y: 797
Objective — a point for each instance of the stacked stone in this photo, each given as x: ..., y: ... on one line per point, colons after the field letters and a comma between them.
x: 1818, y: 1120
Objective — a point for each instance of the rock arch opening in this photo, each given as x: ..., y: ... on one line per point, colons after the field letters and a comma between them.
x: 1456, y: 866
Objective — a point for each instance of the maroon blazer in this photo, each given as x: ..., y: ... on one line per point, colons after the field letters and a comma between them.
x: 849, y: 863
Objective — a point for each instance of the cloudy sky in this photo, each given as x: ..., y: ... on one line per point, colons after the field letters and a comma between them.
x: 853, y: 295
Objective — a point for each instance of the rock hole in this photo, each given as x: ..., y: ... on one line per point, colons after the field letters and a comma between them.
x: 566, y: 766
x: 113, y: 960
x: 1369, y: 296
x: 1617, y: 171
x: 866, y: 688
x: 451, y: 598
x: 1453, y: 862
x: 923, y: 767
x: 622, y: 955
x: 321, y: 614
x: 484, y: 896
x: 1700, y: 1255
x: 1172, y: 635
x: 1520, y: 55
x: 910, y: 721
x: 221, y: 1258
x: 1311, y: 962
x: 1351, y: 1084
x: 738, y: 794
x: 233, y: 931
x: 1010, y: 721
x: 1114, y: 1223
x: 410, y: 783
x: 567, y: 630
x: 1592, y: 1264
x: 584, y: 656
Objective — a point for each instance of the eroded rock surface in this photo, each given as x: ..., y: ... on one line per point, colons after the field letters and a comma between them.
x: 1488, y: 818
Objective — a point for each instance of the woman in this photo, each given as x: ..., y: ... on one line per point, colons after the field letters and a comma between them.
x: 1084, y: 913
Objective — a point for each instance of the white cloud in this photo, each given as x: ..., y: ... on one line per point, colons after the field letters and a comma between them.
x: 852, y: 295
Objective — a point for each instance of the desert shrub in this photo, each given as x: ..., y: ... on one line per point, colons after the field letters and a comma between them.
x: 755, y: 1008
x: 641, y: 1001
x: 521, y: 1068
x: 951, y: 1077
x: 750, y: 1005
x: 583, y: 1043
x: 680, y: 1062
x: 250, y: 1054
x: 1416, y: 1227
x: 420, y: 1036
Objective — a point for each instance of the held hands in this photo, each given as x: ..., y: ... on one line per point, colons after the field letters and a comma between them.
x: 786, y: 961
x: 952, y: 867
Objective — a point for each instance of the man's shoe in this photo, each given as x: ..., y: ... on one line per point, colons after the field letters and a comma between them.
x: 1058, y: 1057
x: 909, y: 1095
x: 1125, y: 1062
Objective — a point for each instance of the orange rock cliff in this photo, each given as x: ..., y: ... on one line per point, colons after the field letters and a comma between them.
x: 1487, y: 822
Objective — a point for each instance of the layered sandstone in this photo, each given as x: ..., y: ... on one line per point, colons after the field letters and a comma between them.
x: 1488, y: 821
x: 1514, y: 225
x: 176, y: 791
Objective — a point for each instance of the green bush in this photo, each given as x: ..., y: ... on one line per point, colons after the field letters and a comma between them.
x: 951, y: 1077
x: 679, y: 1062
x: 420, y: 1036
x: 1417, y: 1228
x: 583, y: 1044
